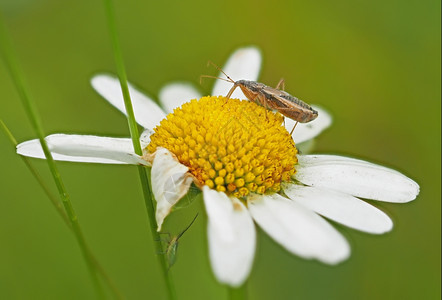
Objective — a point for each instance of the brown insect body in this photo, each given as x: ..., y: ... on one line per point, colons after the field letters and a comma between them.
x: 276, y: 99
x: 271, y: 98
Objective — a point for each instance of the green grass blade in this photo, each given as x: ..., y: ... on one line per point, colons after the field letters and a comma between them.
x: 37, y: 176
x: 238, y: 293
x: 8, y: 56
x: 110, y: 13
x: 59, y: 208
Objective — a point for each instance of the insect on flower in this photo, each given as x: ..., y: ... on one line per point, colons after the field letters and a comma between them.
x: 294, y: 211
x: 172, y: 245
x: 271, y: 98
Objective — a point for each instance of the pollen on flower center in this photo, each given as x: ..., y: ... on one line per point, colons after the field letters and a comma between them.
x: 230, y: 145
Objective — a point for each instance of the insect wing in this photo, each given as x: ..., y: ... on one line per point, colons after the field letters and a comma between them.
x: 171, y: 252
x: 289, y: 106
x: 172, y: 247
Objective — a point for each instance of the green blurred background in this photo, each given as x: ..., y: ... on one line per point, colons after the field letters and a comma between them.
x: 374, y: 64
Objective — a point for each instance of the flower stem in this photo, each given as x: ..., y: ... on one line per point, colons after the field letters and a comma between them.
x: 37, y: 176
x: 110, y: 13
x: 31, y: 111
x: 153, y: 225
x: 239, y: 293
x: 61, y: 212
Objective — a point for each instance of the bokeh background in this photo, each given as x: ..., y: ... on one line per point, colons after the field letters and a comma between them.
x: 375, y: 65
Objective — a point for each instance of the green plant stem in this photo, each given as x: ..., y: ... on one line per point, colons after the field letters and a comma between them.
x: 239, y: 293
x: 37, y: 176
x: 156, y: 236
x: 31, y: 111
x: 110, y: 13
x: 61, y: 212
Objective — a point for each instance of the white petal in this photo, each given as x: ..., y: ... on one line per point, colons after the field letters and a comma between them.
x: 176, y: 94
x: 307, y: 131
x: 147, y: 113
x: 145, y: 138
x: 231, y: 235
x: 244, y: 63
x: 298, y: 229
x: 340, y: 207
x: 170, y: 182
x: 84, y: 148
x: 355, y: 177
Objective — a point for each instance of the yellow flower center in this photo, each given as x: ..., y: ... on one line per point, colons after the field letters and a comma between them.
x: 233, y: 146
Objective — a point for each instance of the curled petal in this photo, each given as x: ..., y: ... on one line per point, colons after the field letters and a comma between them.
x: 176, y: 94
x: 298, y: 229
x: 231, y: 236
x: 307, y: 131
x: 147, y: 113
x: 355, y: 177
x: 340, y: 207
x: 84, y: 148
x: 145, y: 138
x: 170, y: 182
x: 244, y: 63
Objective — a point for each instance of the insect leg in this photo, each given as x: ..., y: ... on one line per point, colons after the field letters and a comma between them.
x: 294, y: 128
x: 168, y: 233
x: 281, y: 82
x: 231, y: 90
x: 262, y: 100
x: 264, y: 103
x: 163, y: 240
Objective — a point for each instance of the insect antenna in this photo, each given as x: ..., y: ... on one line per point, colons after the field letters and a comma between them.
x: 219, y: 69
x: 208, y: 76
x: 182, y: 232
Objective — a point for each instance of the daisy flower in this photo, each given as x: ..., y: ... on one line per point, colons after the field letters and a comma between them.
x: 248, y: 168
